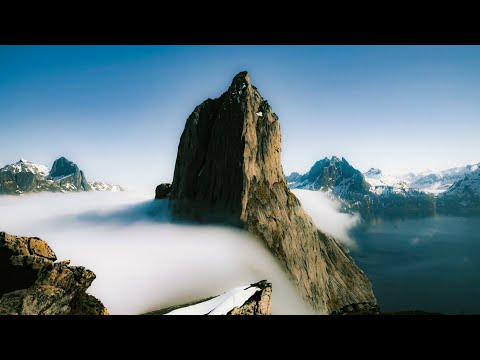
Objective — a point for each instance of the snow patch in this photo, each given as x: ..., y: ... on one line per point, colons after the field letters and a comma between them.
x: 220, y: 305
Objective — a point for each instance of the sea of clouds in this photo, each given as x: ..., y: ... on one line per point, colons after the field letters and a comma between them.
x: 144, y: 262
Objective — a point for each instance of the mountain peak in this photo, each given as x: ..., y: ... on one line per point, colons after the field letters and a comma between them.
x: 228, y: 169
x: 373, y: 172
x: 240, y: 83
x: 241, y: 77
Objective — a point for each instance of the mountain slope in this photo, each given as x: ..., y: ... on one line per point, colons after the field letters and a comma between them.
x: 436, y: 182
x: 463, y: 196
x: 228, y: 169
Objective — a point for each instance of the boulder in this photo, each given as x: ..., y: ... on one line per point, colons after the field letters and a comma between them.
x: 33, y: 283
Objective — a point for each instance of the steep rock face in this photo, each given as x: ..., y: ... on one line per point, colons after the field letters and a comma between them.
x: 66, y: 172
x: 32, y: 283
x: 229, y: 169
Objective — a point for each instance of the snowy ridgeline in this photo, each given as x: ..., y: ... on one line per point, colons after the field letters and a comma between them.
x: 433, y: 182
x: 376, y: 192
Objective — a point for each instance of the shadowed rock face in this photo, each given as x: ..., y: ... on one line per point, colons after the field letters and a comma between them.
x: 228, y: 169
x: 163, y: 191
x: 63, y: 167
x: 32, y: 283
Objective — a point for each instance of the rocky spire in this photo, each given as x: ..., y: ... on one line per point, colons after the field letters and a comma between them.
x: 228, y: 168
x: 66, y: 168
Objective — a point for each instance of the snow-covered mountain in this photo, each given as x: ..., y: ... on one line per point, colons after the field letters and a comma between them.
x: 463, y: 195
x: 451, y: 190
x: 436, y: 182
x: 372, y: 194
x: 336, y: 177
x: 25, y: 176
x: 99, y: 186
x: 384, y: 183
x: 26, y: 166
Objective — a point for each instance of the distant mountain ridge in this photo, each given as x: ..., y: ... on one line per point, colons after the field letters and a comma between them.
x: 65, y: 176
x: 375, y: 193
x: 437, y: 182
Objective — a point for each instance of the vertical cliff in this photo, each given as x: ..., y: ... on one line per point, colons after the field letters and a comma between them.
x: 228, y: 169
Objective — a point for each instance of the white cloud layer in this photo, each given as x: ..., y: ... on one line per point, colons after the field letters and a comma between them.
x: 326, y: 215
x: 142, y: 261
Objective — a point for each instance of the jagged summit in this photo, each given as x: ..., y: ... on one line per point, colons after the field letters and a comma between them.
x: 228, y: 168
x: 63, y: 167
x: 241, y: 78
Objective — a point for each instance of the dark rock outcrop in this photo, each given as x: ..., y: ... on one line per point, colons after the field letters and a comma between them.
x: 64, y: 170
x: 163, y: 191
x: 33, y: 283
x: 228, y: 169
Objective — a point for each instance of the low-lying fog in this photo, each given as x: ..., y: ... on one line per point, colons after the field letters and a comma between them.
x: 143, y: 262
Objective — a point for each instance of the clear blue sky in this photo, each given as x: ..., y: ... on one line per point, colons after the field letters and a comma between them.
x: 118, y: 111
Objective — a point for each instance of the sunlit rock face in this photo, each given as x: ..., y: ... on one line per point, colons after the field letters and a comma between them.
x: 228, y: 169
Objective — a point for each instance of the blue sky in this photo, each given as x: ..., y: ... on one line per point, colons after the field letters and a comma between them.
x: 118, y: 111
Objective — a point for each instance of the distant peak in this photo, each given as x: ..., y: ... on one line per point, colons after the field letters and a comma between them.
x: 23, y: 161
x: 335, y: 159
x: 63, y: 167
x: 373, y: 171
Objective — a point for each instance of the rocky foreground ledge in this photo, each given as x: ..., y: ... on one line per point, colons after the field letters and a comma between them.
x: 254, y: 299
x: 33, y: 283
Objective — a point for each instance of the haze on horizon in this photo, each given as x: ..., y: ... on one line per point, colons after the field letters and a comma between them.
x: 118, y: 111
